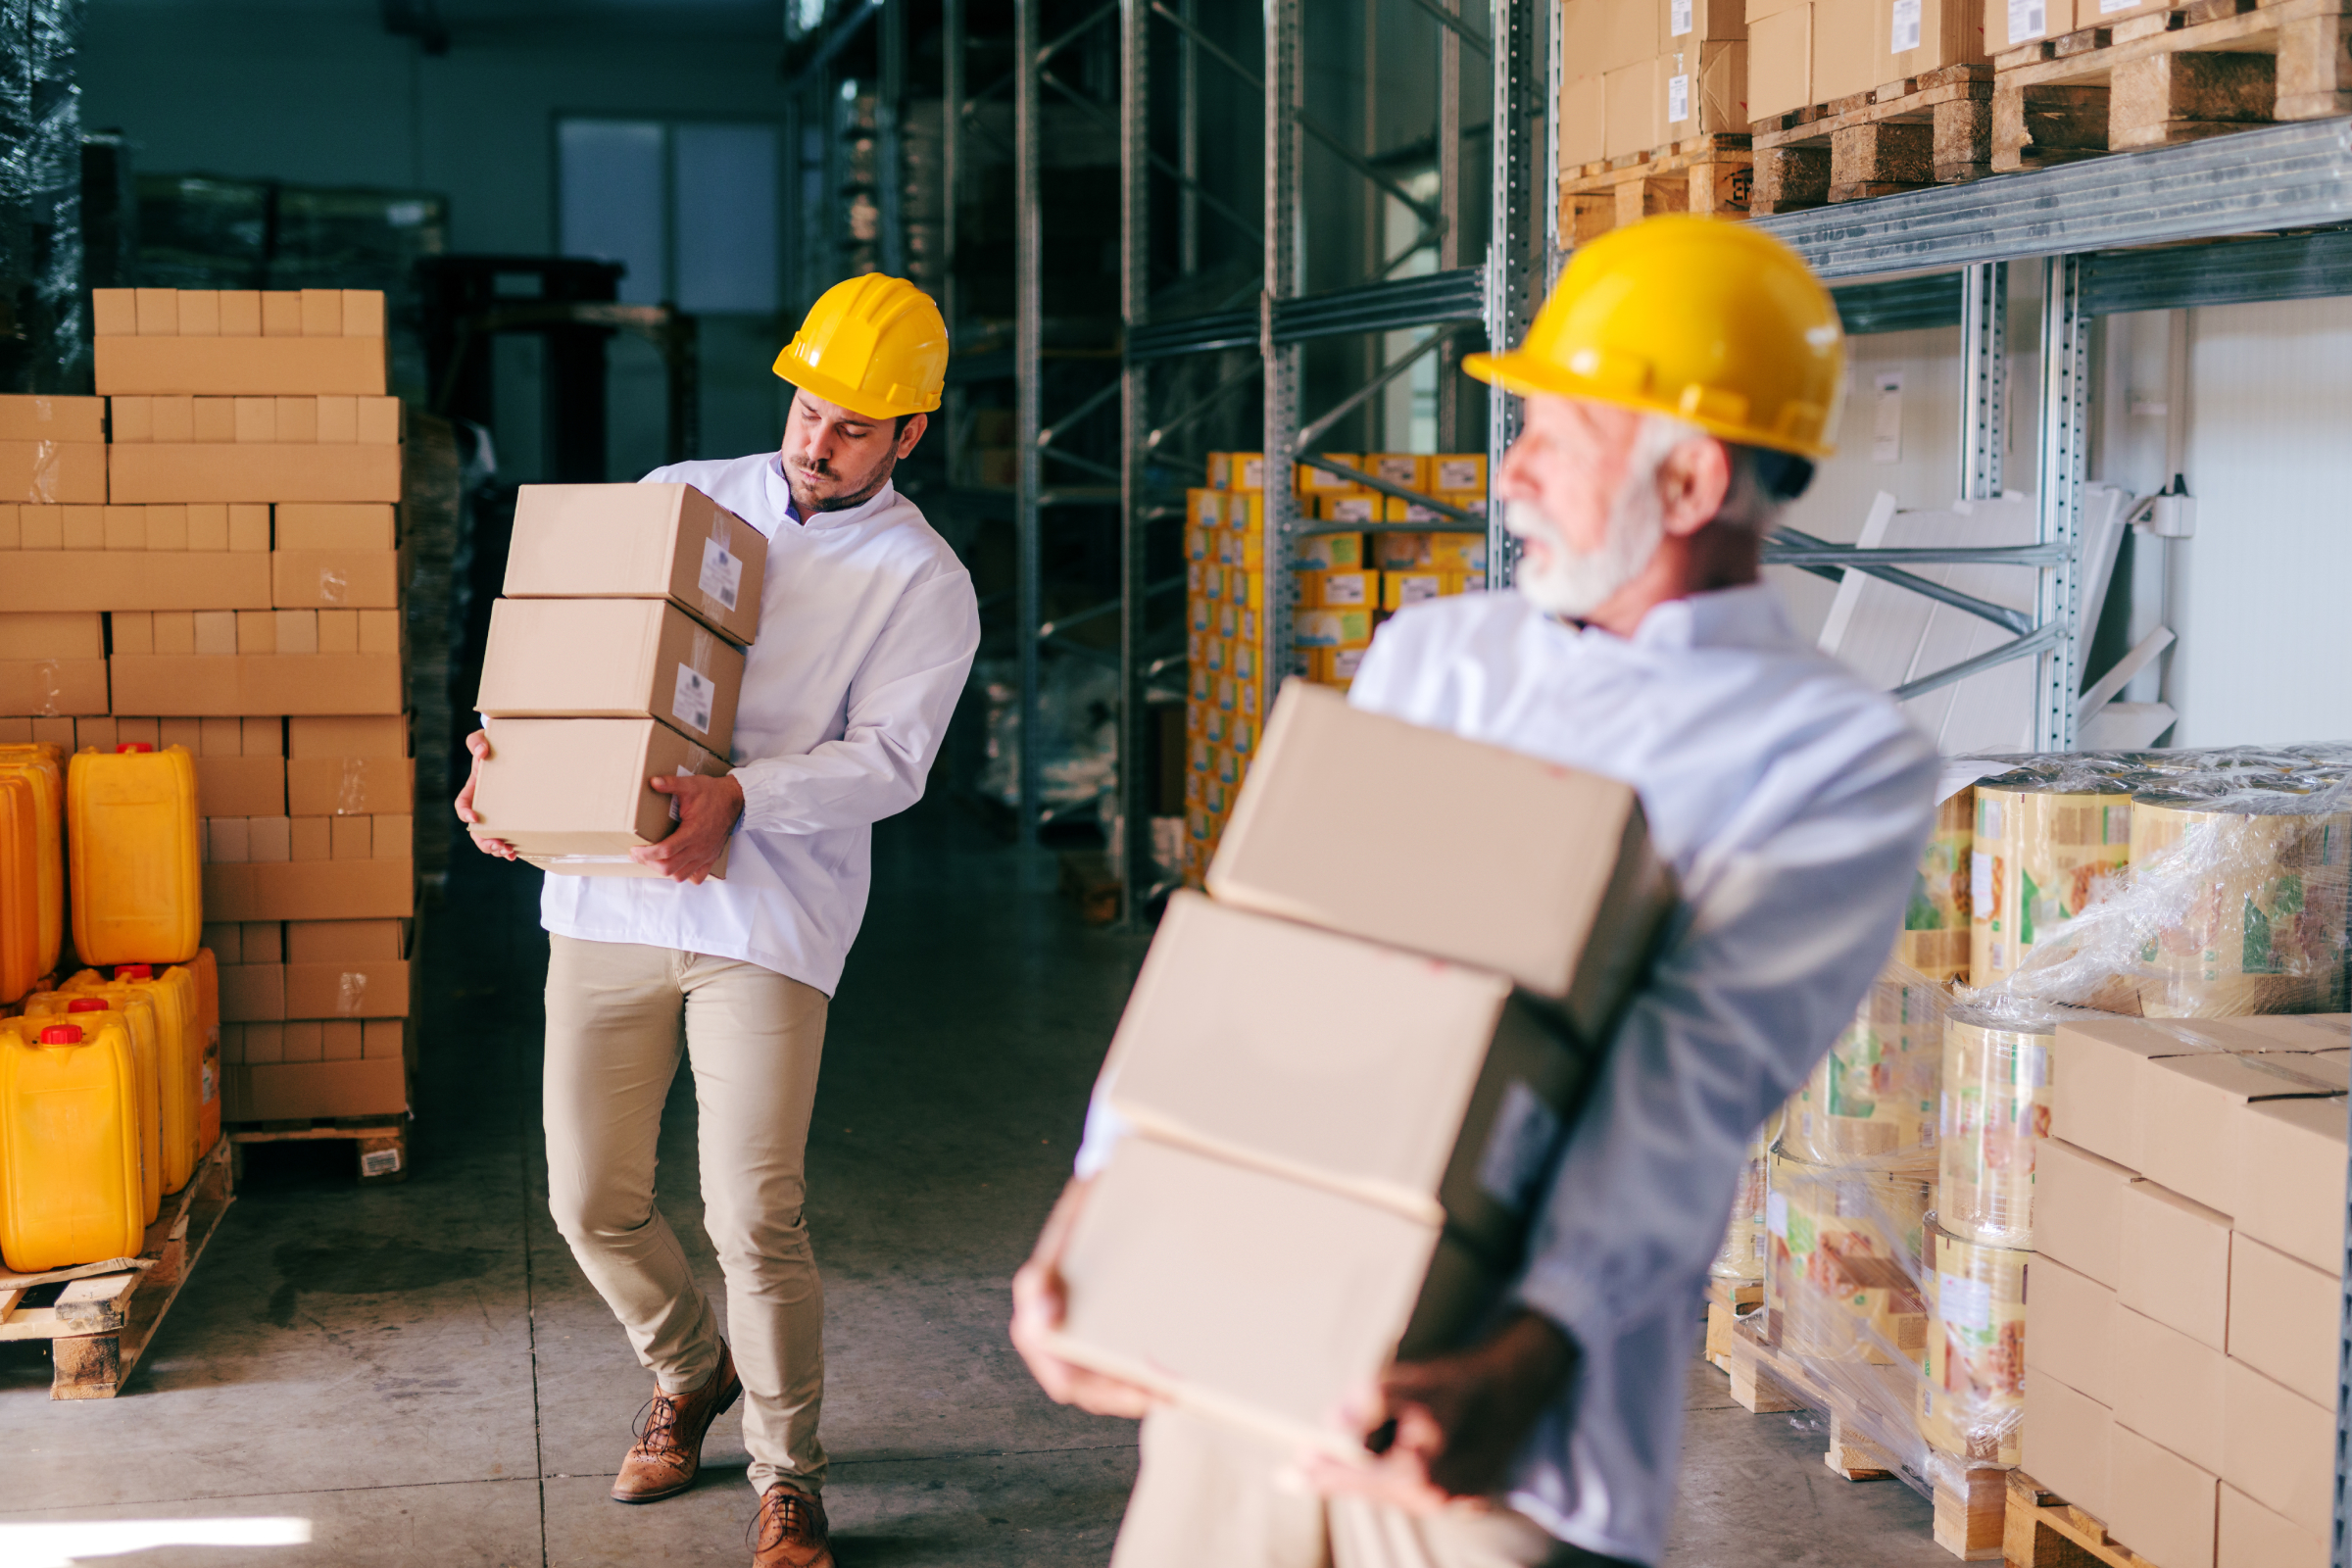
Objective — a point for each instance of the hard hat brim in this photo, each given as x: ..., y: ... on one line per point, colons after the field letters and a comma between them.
x: 857, y: 401
x: 1526, y: 374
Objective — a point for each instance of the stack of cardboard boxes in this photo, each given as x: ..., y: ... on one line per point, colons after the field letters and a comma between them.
x: 1346, y: 1074
x: 1345, y: 584
x: 1641, y: 74
x: 617, y: 655
x: 2181, y: 1373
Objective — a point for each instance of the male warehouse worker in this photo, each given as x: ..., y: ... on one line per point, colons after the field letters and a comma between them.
x: 867, y: 627
x: 1678, y: 383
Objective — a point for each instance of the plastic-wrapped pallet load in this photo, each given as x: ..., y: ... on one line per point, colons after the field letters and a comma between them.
x: 1937, y: 935
x: 2050, y: 841
x: 1996, y: 1111
x: 1843, y: 1260
x: 1739, y: 1260
x: 1874, y: 1096
x: 1971, y: 1395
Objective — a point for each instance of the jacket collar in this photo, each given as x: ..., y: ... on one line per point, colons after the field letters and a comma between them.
x: 780, y: 492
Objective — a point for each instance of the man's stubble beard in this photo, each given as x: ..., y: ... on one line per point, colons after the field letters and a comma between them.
x: 843, y: 503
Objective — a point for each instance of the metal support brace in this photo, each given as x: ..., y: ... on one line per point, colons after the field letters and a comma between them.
x: 1370, y: 389
x: 1028, y: 363
x: 1984, y: 378
x: 1283, y: 79
x: 1515, y: 246
x: 2065, y: 405
x: 2016, y: 621
x: 1138, y: 872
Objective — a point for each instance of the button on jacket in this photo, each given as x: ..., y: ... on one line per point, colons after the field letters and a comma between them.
x: 867, y: 627
x: 1793, y: 803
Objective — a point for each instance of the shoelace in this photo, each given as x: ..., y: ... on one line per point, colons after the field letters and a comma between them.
x: 657, y: 1425
x: 784, y: 1515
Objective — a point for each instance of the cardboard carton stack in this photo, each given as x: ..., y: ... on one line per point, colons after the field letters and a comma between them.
x: 1346, y: 1075
x: 247, y: 560
x: 617, y: 655
x: 1641, y: 74
x: 2181, y: 1373
x: 1807, y: 52
x: 1346, y: 585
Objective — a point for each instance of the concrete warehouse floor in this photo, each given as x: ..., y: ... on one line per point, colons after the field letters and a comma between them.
x: 421, y: 1372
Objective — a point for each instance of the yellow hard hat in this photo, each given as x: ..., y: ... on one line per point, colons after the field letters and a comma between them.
x: 1701, y: 318
x: 875, y: 345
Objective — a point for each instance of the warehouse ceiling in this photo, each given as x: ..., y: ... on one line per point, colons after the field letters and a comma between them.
x: 504, y: 22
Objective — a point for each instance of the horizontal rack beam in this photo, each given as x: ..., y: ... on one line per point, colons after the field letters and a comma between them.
x: 1456, y: 295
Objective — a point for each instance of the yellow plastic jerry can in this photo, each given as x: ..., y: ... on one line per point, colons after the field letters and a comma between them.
x: 45, y: 766
x: 131, y: 836
x: 137, y: 1010
x: 68, y: 1142
x: 20, y: 887
x: 179, y: 1057
x: 203, y: 973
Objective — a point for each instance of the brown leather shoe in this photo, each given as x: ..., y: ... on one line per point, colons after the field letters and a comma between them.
x: 789, y: 1531
x: 668, y: 1451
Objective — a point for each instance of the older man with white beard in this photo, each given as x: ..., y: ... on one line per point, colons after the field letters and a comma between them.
x: 1677, y: 385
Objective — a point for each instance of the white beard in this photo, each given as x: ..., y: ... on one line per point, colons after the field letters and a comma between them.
x: 1572, y: 585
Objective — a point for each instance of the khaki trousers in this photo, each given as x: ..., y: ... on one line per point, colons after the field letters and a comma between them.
x: 1209, y: 1495
x: 753, y: 1038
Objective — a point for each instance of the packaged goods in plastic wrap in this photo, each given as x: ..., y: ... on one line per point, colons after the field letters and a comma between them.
x: 1936, y: 932
x: 2262, y: 925
x: 1874, y: 1096
x: 2050, y: 842
x: 1972, y: 1384
x: 1997, y: 1113
x: 1842, y: 1260
x: 1740, y: 1258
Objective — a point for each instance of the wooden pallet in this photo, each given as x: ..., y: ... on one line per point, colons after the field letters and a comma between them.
x: 1930, y: 130
x: 2206, y: 69
x: 1971, y: 1502
x: 381, y: 1142
x: 1697, y: 174
x: 2045, y: 1531
x: 100, y: 1323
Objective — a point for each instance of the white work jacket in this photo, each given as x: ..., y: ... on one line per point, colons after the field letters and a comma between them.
x: 867, y: 627
x: 1793, y: 803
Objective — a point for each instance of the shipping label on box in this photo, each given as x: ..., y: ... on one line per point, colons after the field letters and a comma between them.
x: 610, y: 659
x: 1706, y: 89
x: 1915, y: 36
x: 573, y: 792
x: 2009, y: 24
x: 639, y: 541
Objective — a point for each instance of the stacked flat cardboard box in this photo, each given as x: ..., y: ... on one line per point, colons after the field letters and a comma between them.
x: 1346, y: 585
x: 2182, y: 1368
x: 1641, y: 74
x: 1807, y: 52
x: 1346, y: 1074
x: 248, y: 561
x: 617, y: 655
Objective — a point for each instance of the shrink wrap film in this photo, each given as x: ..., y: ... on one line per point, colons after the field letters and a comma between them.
x: 2049, y: 843
x: 1874, y: 1096
x: 1997, y: 1113
x: 1936, y: 932
x: 2262, y: 890
x: 1971, y: 1386
x: 1740, y: 1258
x: 1842, y: 1259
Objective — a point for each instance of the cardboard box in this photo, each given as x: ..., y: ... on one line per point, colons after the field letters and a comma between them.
x: 2160, y: 1503
x: 135, y: 582
x: 339, y: 526
x: 1705, y: 88
x: 2011, y: 22
x: 226, y: 471
x: 253, y: 993
x: 53, y: 472
x: 2096, y: 1064
x: 314, y: 890
x: 1635, y: 98
x: 337, y: 580
x: 2175, y: 1264
x: 260, y: 684
x: 1912, y: 37
x: 1261, y: 1301
x: 1844, y: 61
x: 241, y: 366
x: 2168, y: 1388
x: 1583, y: 120
x: 2291, y: 1172
x: 1422, y: 1087
x: 53, y: 686
x: 2254, y: 1536
x: 290, y: 1090
x: 51, y: 418
x: 348, y: 990
x: 1558, y: 891
x: 2073, y: 1334
x: 1779, y: 61
x: 639, y: 541
x: 2188, y: 1112
x: 241, y: 786
x: 2067, y: 1440
x: 337, y: 736
x: 1633, y: 31
x: 2280, y: 1450
x: 2285, y: 1319
x: 350, y: 786
x: 340, y: 942
x: 573, y: 791
x: 610, y: 659
x: 2079, y: 1208
x: 1683, y: 22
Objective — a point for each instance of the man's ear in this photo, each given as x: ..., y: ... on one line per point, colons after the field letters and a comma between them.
x: 913, y: 433
x: 1692, y: 483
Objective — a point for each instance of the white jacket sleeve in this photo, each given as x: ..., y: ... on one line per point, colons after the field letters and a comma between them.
x: 1776, y: 950
x: 897, y: 714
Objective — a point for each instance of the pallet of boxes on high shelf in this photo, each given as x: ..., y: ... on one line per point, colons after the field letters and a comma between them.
x: 253, y: 430
x: 1359, y: 555
x: 2118, y: 1093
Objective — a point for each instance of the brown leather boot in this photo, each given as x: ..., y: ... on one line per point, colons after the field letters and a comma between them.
x: 668, y: 1451
x: 790, y: 1532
